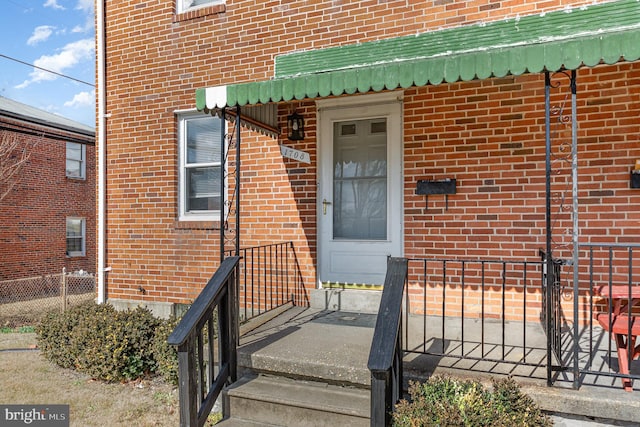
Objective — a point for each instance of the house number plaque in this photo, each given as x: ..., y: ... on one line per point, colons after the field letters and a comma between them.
x: 292, y: 153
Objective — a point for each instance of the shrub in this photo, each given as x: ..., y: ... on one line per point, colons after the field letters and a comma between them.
x: 446, y: 402
x: 54, y: 334
x: 166, y: 355
x: 105, y: 343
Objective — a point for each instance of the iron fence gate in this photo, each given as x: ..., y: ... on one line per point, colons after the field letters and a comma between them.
x: 551, y: 314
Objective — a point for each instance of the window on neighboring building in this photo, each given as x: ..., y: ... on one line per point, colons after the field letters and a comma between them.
x: 185, y: 5
x: 75, y: 237
x: 200, y: 166
x: 76, y: 164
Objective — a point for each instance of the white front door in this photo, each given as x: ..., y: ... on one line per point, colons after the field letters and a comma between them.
x: 360, y: 194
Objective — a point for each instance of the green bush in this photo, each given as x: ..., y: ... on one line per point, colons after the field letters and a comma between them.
x: 166, y: 355
x: 103, y: 342
x: 55, y: 331
x: 447, y: 402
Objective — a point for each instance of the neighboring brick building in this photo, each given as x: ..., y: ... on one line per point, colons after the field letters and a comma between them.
x: 47, y: 220
x: 459, y: 94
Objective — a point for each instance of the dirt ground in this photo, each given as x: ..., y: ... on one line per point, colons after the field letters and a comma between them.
x: 28, y: 378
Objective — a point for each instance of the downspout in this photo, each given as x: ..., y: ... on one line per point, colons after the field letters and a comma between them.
x: 102, y: 140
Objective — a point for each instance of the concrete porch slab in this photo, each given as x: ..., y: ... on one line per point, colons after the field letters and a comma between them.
x: 333, y: 346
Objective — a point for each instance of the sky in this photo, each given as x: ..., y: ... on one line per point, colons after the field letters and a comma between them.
x: 57, y: 35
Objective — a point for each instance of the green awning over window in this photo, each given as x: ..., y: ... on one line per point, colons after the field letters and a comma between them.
x: 568, y: 38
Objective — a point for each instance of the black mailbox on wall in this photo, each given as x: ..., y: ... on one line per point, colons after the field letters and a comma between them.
x: 430, y: 187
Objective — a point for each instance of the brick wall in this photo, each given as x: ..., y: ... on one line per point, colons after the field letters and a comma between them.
x: 33, y: 215
x: 489, y: 135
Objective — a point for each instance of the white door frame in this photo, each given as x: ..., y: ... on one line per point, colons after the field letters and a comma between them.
x: 387, y: 105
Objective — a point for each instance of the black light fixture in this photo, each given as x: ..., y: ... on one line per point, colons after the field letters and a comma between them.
x: 295, y: 125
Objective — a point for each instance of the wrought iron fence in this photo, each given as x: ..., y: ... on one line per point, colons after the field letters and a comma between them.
x: 606, y: 342
x: 25, y: 301
x: 269, y: 277
x: 552, y: 315
x: 485, y: 310
x: 495, y: 310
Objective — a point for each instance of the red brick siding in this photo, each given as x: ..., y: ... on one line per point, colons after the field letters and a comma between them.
x: 33, y: 216
x: 489, y: 135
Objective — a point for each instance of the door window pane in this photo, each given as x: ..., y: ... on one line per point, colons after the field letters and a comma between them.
x: 360, y: 181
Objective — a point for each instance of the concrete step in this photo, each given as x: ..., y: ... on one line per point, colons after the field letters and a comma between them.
x: 331, y: 347
x: 278, y: 401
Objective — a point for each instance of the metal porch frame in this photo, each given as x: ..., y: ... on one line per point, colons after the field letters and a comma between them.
x: 562, y: 158
x: 232, y: 206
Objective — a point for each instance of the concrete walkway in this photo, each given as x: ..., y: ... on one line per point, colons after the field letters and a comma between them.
x: 333, y: 346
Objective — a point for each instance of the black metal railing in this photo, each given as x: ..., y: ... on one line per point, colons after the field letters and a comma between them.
x: 484, y: 310
x: 551, y: 315
x: 269, y: 278
x: 206, y: 338
x: 612, y: 270
x: 385, y: 357
x: 475, y: 309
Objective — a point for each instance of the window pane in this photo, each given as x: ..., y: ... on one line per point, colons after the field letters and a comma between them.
x: 360, y: 209
x: 203, y: 140
x: 74, y: 151
x: 75, y: 236
x: 201, y: 157
x: 74, y: 245
x: 73, y: 168
x: 360, y: 180
x: 75, y: 159
x: 186, y: 4
x: 203, y: 189
x: 74, y: 227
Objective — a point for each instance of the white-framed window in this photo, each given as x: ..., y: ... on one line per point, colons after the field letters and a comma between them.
x: 76, y: 160
x: 186, y: 5
x: 76, y: 237
x: 200, y: 163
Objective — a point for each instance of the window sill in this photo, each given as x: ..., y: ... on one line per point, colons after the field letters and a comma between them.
x: 197, y: 225
x: 200, y: 12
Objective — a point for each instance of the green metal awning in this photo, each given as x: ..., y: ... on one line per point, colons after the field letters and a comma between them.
x: 564, y: 39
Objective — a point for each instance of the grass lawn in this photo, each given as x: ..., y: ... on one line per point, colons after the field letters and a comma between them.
x: 27, y: 378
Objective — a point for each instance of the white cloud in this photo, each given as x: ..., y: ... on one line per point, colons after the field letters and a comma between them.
x: 53, y: 4
x: 86, y: 6
x: 70, y: 56
x: 40, y: 34
x: 82, y: 99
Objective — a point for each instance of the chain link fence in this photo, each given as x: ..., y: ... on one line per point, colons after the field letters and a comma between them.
x: 24, y: 302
